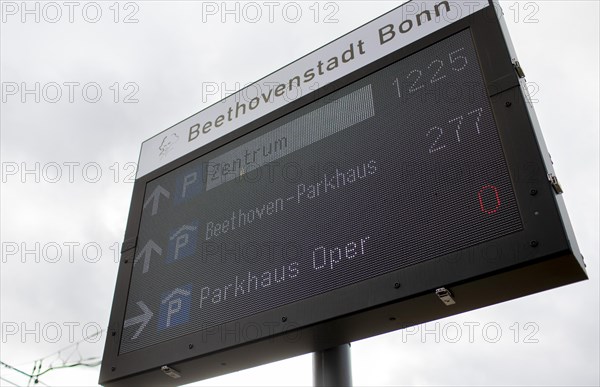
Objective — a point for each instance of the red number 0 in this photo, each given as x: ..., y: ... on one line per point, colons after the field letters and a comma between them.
x: 479, y: 195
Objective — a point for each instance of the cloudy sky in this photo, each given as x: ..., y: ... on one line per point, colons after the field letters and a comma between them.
x: 83, y: 84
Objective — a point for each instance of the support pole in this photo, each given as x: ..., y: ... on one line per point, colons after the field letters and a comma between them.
x: 332, y: 367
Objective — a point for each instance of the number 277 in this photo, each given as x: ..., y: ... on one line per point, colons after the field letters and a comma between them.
x: 438, y: 145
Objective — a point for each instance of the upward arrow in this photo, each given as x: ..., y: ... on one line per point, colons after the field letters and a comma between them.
x: 142, y: 318
x: 147, y: 253
x: 155, y: 197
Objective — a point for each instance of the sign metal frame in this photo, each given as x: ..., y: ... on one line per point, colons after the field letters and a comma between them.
x: 542, y: 256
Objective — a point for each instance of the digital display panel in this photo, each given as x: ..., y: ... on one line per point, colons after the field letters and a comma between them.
x: 395, y: 169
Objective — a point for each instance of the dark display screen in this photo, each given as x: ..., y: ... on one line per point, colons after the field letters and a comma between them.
x: 400, y: 167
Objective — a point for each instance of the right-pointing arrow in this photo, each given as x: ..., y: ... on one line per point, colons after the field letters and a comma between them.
x: 147, y: 253
x: 142, y: 319
x: 155, y: 197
